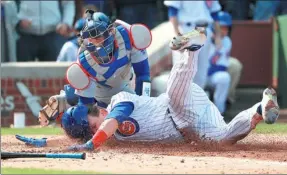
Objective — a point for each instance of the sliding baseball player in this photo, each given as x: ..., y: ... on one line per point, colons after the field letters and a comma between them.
x: 184, y: 112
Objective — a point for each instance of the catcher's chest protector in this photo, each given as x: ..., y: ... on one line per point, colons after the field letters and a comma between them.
x: 109, y: 75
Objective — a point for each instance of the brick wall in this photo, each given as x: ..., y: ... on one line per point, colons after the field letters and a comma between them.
x: 13, y: 101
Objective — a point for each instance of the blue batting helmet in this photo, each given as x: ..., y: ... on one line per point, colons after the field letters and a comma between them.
x: 99, y: 25
x: 224, y: 19
x: 75, y: 122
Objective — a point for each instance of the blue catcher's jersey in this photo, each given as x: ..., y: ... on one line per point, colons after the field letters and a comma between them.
x: 113, y: 74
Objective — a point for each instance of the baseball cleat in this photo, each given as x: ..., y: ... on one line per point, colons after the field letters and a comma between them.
x: 192, y: 40
x: 269, y: 105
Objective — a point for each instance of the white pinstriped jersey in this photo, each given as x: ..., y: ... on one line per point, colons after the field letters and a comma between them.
x: 189, y: 107
x: 151, y: 116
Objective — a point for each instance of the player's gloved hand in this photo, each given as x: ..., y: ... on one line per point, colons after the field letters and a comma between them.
x: 84, y: 147
x: 31, y: 141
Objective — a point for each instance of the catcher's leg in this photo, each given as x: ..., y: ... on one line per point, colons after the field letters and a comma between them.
x: 244, y: 122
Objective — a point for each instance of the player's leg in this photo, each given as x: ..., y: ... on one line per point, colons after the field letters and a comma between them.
x: 184, y: 70
x: 244, y: 122
x: 220, y: 82
x: 234, y: 69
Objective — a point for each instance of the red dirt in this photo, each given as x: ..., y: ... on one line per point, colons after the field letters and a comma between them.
x: 256, y: 154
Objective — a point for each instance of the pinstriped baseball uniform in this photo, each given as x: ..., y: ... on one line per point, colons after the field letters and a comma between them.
x: 188, y: 105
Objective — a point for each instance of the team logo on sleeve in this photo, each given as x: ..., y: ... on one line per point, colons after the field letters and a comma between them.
x: 128, y: 127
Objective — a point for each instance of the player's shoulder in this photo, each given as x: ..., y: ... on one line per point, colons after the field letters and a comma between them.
x: 136, y: 33
x: 122, y: 97
x: 69, y: 44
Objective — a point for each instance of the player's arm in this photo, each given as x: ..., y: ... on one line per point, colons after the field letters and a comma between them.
x: 142, y: 71
x: 118, y: 113
x: 139, y: 57
x: 214, y: 10
x: 47, y: 142
x: 226, y: 46
x: 67, y: 52
x: 173, y: 7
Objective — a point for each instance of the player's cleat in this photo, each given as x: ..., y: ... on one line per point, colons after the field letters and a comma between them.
x: 192, y: 41
x: 269, y: 105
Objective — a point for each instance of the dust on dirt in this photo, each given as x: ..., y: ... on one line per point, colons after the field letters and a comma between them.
x: 257, y: 153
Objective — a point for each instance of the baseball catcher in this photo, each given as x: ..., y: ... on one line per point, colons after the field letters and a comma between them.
x: 111, y: 53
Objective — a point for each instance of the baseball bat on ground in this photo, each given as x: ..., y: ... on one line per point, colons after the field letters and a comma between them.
x: 10, y: 155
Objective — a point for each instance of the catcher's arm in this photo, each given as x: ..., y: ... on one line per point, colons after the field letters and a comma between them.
x: 217, y: 35
x: 172, y: 13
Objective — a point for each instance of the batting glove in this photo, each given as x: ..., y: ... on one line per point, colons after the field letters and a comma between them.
x: 84, y: 147
x: 31, y: 141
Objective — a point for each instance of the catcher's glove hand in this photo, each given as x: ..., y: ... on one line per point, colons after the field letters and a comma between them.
x: 54, y: 107
x: 31, y: 141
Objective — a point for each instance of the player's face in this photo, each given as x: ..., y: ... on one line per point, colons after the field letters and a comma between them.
x: 224, y: 30
x: 97, y: 41
x: 96, y: 121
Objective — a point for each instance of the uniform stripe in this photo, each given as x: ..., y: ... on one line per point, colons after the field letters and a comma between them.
x: 125, y: 35
x: 114, y: 66
x: 179, y: 85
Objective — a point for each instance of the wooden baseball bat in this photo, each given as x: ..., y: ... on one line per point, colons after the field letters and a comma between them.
x: 11, y: 155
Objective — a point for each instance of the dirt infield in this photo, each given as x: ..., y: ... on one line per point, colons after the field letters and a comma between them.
x: 256, y: 154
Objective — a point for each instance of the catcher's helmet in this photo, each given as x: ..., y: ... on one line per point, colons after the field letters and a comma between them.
x: 224, y: 19
x: 99, y: 25
x: 75, y: 122
x: 79, y: 25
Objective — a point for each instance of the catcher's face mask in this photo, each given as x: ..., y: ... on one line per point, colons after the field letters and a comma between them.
x: 100, y: 36
x: 49, y: 112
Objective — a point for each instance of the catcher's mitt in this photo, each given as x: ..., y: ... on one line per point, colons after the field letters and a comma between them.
x: 53, y: 109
